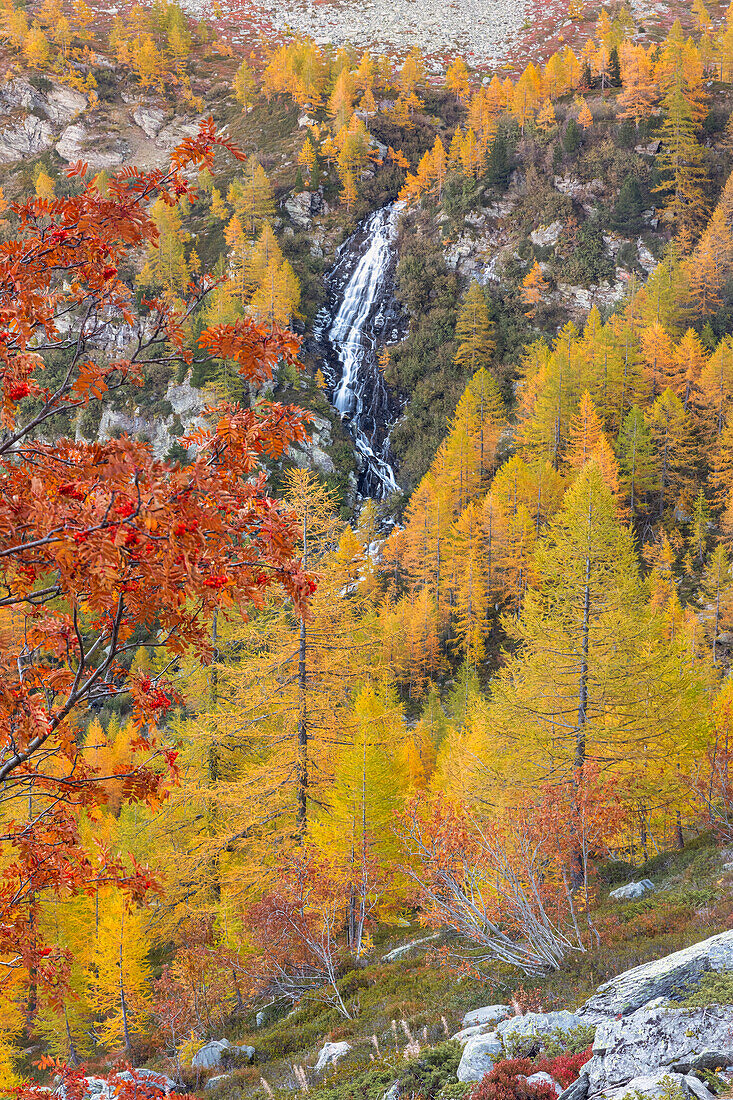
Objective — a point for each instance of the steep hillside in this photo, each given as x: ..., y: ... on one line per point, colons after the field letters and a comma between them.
x: 366, y: 535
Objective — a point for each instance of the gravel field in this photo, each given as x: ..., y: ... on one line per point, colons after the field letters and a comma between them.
x: 482, y: 31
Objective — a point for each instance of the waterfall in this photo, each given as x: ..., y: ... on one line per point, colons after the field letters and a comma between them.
x: 362, y: 314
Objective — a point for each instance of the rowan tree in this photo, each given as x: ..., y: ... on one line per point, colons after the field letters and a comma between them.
x: 99, y: 540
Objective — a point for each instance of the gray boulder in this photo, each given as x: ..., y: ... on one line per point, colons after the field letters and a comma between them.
x: 632, y: 890
x: 479, y: 1055
x: 538, y: 1023
x: 244, y: 1053
x: 330, y: 1054
x: 659, y: 1085
x: 150, y: 1077
x: 683, y: 969
x: 95, y: 1088
x: 578, y: 1090
x: 544, y: 1079
x: 489, y: 1014
x: 174, y: 133
x: 659, y: 1039
x: 210, y: 1055
x: 392, y: 1092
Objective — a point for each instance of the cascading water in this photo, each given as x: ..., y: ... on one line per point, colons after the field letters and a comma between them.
x: 362, y: 315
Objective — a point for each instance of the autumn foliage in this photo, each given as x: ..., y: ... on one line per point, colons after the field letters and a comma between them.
x: 101, y: 543
x: 516, y: 886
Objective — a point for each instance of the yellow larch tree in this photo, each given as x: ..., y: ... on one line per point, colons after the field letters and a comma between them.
x: 474, y: 331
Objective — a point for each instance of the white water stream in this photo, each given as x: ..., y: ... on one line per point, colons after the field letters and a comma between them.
x: 354, y: 334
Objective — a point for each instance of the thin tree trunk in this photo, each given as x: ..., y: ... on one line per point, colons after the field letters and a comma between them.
x: 123, y: 1002
x: 302, y: 763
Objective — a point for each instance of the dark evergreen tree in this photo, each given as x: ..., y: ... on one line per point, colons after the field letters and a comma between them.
x: 499, y: 166
x: 614, y: 68
x: 629, y: 206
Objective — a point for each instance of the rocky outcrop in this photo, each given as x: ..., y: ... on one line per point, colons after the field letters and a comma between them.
x: 60, y: 105
x: 214, y: 1082
x: 308, y: 454
x: 78, y: 142
x: 544, y: 1079
x: 660, y: 1085
x: 400, y: 24
x: 173, y: 134
x: 660, y: 1037
x: 217, y: 1051
x: 63, y: 104
x: 155, y: 1086
x: 25, y: 139
x: 187, y: 405
x: 547, y: 234
x: 330, y: 1054
x: 682, y: 970
x: 632, y: 890
x: 149, y: 119
x: 302, y: 206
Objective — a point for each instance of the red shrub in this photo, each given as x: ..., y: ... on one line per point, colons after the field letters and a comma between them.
x: 565, y: 1068
x: 507, y: 1081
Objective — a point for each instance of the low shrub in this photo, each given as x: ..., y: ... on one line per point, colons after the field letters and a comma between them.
x: 427, y: 1075
x: 714, y: 989
x: 557, y: 1044
x: 564, y: 1068
x: 507, y: 1080
x: 431, y: 1076
x: 457, y: 1090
